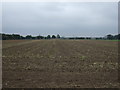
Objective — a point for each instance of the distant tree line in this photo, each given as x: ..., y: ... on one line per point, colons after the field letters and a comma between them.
x: 107, y: 37
x: 113, y: 37
x: 19, y: 37
x: 79, y: 38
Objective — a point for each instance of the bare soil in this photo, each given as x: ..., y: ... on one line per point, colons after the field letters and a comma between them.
x: 60, y: 64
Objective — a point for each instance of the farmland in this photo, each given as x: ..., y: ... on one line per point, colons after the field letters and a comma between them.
x: 59, y: 63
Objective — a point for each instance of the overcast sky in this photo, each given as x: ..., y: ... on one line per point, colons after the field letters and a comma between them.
x: 67, y: 19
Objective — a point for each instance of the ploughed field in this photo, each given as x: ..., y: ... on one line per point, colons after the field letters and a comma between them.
x: 60, y: 64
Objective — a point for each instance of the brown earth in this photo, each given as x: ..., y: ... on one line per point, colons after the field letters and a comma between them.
x: 60, y: 64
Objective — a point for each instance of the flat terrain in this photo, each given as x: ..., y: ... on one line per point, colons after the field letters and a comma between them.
x: 60, y: 63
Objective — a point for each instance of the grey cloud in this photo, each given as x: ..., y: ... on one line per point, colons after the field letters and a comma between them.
x: 67, y: 19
